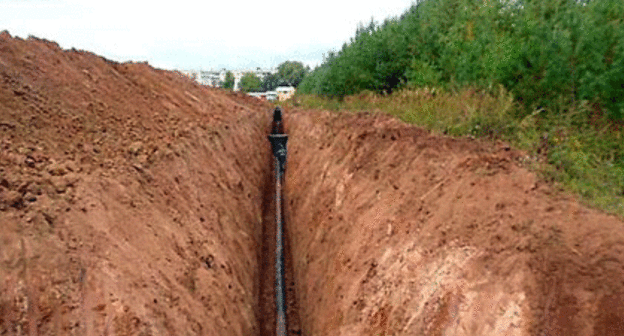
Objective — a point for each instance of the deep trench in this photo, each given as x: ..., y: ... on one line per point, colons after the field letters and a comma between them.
x: 266, y: 310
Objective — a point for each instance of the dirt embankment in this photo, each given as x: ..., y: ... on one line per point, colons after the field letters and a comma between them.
x: 130, y: 198
x: 398, y: 232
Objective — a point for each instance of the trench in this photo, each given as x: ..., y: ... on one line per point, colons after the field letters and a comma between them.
x: 266, y: 311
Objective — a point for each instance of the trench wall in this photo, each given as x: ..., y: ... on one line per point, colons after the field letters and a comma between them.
x: 395, y: 231
x: 130, y: 198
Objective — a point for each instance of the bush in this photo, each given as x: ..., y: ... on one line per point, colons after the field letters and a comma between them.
x: 546, y: 53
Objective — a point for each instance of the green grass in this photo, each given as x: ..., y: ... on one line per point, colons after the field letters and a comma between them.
x: 574, y: 146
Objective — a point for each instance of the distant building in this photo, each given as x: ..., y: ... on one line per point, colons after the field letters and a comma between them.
x: 285, y: 92
x: 215, y: 78
x: 281, y: 93
x: 268, y: 95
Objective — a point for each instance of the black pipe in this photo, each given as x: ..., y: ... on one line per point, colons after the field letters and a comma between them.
x: 278, y: 144
x: 280, y: 289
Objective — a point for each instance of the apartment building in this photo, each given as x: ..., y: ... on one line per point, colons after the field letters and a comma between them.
x: 216, y: 77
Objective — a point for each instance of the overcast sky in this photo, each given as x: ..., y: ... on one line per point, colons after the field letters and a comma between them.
x: 184, y: 34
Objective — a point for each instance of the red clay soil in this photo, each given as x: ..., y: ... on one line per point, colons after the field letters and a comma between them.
x: 395, y: 231
x: 134, y: 201
x: 130, y: 198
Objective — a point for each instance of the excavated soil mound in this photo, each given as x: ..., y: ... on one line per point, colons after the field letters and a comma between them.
x: 395, y: 231
x: 130, y: 198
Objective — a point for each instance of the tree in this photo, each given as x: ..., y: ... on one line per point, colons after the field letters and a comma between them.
x: 292, y: 72
x: 270, y: 82
x: 229, y: 80
x: 250, y: 82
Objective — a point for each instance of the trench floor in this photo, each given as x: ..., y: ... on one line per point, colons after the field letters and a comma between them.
x: 267, y: 309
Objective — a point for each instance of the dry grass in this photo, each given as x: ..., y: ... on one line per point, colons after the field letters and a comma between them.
x: 573, y: 147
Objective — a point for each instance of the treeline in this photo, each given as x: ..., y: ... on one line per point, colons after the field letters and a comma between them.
x: 547, y: 53
x: 289, y: 73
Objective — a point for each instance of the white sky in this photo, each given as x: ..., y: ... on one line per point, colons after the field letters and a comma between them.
x: 185, y: 34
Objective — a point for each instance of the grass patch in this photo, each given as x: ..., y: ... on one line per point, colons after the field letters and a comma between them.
x: 572, y: 145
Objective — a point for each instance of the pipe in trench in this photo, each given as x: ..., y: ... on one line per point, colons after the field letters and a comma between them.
x: 280, y: 289
x: 278, y: 144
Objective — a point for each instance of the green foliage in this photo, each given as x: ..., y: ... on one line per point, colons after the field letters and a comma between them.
x: 422, y: 74
x: 250, y: 82
x: 270, y: 82
x: 546, y: 75
x: 291, y: 73
x: 228, y: 83
x: 548, y: 53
